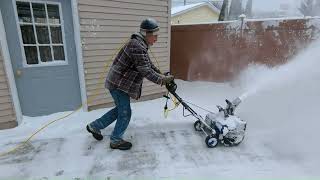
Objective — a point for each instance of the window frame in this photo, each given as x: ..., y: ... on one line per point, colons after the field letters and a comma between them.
x: 47, y: 24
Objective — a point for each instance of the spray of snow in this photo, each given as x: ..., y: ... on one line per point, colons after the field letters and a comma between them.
x: 283, y: 101
x: 237, y: 25
x: 314, y: 23
x: 261, y: 77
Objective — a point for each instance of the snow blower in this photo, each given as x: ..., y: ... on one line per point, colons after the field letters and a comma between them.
x: 223, y: 127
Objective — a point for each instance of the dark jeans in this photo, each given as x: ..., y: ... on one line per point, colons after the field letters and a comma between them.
x: 121, y: 113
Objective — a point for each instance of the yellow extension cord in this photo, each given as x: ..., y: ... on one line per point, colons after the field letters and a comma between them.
x: 174, y: 100
x: 101, y: 78
x: 175, y: 103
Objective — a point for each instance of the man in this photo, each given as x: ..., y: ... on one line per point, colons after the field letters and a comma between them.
x: 124, y: 80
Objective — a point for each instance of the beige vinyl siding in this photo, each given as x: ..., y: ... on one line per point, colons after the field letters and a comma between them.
x: 104, y: 26
x: 202, y: 14
x: 7, y: 113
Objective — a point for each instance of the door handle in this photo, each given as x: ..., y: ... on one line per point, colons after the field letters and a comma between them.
x: 18, y: 72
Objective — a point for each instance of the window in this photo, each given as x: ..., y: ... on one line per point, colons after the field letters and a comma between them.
x: 41, y: 32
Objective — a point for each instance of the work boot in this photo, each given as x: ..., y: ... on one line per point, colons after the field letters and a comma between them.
x: 95, y: 133
x: 121, y: 145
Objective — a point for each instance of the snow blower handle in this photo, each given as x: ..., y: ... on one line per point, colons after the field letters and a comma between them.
x: 171, y: 86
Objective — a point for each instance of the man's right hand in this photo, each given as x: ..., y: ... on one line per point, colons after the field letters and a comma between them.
x: 167, y: 79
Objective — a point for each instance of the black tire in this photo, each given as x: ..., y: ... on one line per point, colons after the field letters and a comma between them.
x: 212, y: 140
x: 197, y: 125
x: 236, y: 144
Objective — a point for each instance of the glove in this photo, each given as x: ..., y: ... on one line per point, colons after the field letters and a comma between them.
x: 167, y: 79
x: 166, y: 73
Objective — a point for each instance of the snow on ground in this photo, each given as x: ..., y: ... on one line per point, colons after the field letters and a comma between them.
x: 280, y: 106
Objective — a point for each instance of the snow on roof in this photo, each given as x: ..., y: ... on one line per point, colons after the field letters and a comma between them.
x: 178, y: 9
x: 182, y: 9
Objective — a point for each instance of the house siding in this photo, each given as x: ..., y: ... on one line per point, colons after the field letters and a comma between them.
x: 7, y: 113
x: 104, y: 27
x: 199, y: 15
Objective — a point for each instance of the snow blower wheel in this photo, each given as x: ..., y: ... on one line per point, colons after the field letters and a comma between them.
x: 197, y: 125
x: 212, y: 141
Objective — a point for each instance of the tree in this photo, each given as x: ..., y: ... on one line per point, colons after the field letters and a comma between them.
x: 217, y: 4
x: 224, y: 11
x: 306, y: 7
x: 316, y: 8
x: 235, y: 9
x: 248, y: 10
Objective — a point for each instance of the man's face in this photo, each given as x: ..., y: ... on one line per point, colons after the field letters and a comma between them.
x: 151, y: 38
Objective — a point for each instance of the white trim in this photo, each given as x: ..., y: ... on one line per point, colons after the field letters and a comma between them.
x: 63, y: 33
x: 25, y: 64
x: 14, y: 5
x: 41, y: 64
x: 169, y: 32
x: 49, y: 30
x: 44, y: 45
x: 40, y: 24
x: 77, y: 38
x: 9, y: 71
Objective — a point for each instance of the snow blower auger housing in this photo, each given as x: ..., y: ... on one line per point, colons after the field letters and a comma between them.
x: 223, y: 127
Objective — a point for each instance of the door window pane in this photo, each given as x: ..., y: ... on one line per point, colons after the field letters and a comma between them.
x: 39, y: 13
x: 31, y: 54
x: 27, y: 34
x: 58, y: 53
x: 24, y: 12
x: 41, y: 44
x: 53, y: 14
x: 43, y: 34
x: 56, y: 35
x: 45, y: 53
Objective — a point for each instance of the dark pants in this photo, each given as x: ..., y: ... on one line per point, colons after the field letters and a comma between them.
x: 121, y: 113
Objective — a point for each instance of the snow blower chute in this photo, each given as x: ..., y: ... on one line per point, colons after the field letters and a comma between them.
x: 221, y: 127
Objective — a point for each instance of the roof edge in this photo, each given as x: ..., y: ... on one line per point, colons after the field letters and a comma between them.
x: 197, y: 6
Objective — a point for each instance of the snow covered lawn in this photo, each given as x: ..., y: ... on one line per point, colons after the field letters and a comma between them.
x: 281, y: 107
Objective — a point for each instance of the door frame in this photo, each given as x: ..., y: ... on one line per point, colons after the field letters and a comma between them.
x: 9, y: 71
x: 77, y: 38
